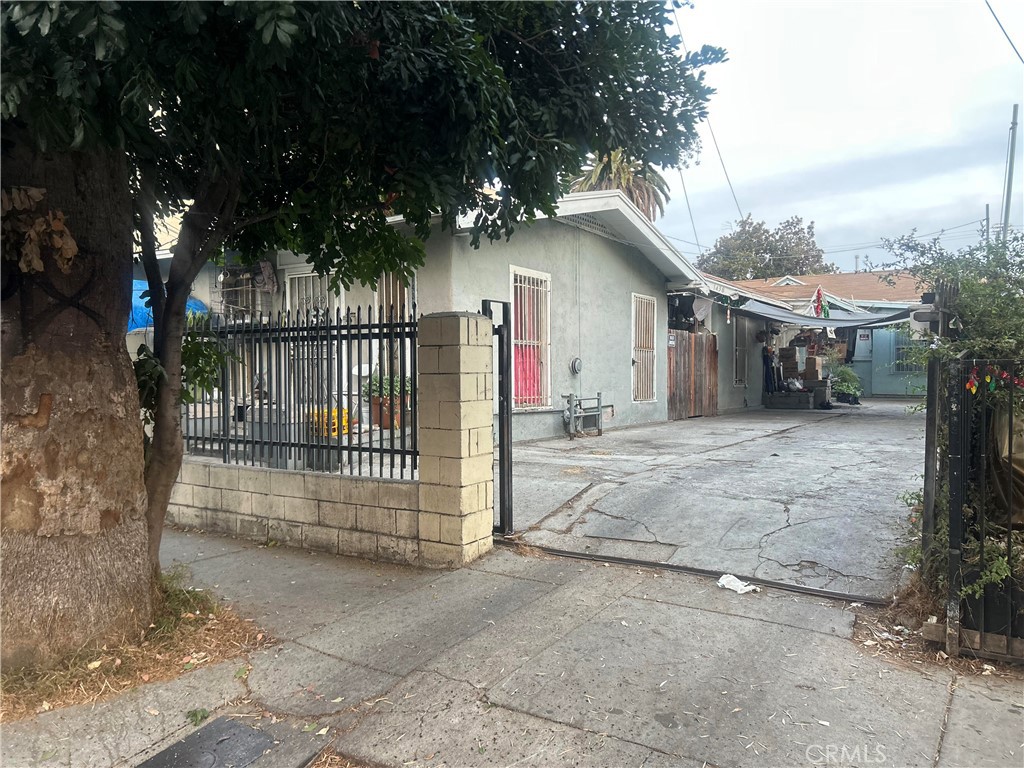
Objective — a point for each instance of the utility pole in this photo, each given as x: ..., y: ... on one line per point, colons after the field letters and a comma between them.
x: 987, y: 221
x: 1009, y: 172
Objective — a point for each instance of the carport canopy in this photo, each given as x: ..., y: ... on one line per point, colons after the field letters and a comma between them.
x: 838, y: 318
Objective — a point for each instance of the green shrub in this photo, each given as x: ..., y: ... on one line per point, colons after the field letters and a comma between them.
x: 846, y: 382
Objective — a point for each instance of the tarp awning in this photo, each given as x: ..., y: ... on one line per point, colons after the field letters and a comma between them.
x: 838, y: 319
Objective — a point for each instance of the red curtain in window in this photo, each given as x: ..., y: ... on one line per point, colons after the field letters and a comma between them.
x: 527, y: 349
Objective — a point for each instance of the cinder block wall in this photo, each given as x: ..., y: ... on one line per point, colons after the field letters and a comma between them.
x: 442, y: 520
x: 359, y: 516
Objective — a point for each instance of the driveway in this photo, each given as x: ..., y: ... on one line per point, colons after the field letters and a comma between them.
x: 800, y: 497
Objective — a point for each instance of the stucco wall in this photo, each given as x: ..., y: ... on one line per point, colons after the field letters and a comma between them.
x: 733, y: 397
x: 592, y: 283
x: 884, y: 379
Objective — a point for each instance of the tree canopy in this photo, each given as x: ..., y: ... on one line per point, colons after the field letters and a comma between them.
x: 328, y: 116
x: 641, y: 183
x: 273, y: 125
x: 987, y: 299
x: 752, y: 250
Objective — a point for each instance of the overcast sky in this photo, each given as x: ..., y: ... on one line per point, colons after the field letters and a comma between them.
x: 870, y: 118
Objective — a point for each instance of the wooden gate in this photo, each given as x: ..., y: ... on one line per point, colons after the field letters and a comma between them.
x: 692, y: 375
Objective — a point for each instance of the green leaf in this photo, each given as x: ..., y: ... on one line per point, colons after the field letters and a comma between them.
x: 196, y: 716
x: 44, y: 21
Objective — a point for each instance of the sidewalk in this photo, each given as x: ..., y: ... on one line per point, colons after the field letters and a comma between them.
x: 541, y: 662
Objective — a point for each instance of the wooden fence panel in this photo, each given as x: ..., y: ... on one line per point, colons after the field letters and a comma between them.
x: 692, y: 375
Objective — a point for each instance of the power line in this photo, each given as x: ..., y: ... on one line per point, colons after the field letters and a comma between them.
x: 689, y: 211
x: 711, y: 130
x: 850, y: 247
x: 961, y: 237
x: 1007, y: 34
x: 722, y: 161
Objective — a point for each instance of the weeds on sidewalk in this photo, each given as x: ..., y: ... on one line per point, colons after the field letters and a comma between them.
x: 190, y: 629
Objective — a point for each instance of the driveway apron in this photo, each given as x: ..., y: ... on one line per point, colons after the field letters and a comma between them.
x: 799, y: 497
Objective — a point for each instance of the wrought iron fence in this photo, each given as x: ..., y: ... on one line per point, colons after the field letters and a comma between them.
x: 317, y: 390
x: 984, y: 468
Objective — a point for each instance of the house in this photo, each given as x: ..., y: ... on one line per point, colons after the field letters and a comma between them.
x: 588, y: 291
x: 879, y: 355
x: 736, y: 321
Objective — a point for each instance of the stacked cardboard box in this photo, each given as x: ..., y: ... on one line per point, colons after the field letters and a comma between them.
x: 790, y: 368
x: 812, y: 368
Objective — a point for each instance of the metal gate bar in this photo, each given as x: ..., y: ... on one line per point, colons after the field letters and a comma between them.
x: 503, y: 333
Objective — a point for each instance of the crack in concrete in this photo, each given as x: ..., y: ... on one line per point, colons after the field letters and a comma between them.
x: 565, y: 506
x: 803, y: 565
x: 625, y: 519
x: 602, y: 734
x: 951, y: 687
x: 800, y: 568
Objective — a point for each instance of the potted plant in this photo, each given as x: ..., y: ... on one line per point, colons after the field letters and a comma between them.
x: 846, y: 385
x: 388, y: 397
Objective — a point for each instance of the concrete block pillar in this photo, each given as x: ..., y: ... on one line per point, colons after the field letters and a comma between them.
x: 456, y: 443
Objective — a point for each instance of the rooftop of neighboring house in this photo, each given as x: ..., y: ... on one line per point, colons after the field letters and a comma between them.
x: 728, y: 287
x: 859, y: 287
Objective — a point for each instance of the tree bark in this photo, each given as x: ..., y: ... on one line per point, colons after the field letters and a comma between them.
x: 73, y: 535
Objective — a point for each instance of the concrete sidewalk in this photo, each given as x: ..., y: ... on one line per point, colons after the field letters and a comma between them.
x: 544, y: 662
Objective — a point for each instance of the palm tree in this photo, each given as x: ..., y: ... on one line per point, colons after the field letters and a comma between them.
x: 641, y: 183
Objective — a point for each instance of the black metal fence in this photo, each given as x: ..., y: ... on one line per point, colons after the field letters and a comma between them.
x: 983, y: 474
x: 327, y: 392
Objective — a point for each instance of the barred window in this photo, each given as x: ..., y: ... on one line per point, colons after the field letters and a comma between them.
x: 903, y: 348
x: 644, y: 336
x: 312, y: 293
x: 531, y: 345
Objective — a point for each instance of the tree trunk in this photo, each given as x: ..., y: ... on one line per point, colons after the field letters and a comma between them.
x: 73, y: 535
x: 167, y: 446
x: 202, y: 231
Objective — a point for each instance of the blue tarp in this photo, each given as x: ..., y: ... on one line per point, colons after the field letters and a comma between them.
x: 142, y: 316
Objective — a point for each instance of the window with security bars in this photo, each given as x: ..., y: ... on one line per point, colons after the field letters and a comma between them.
x: 531, y: 346
x: 312, y: 293
x: 739, y: 351
x: 644, y: 338
x: 240, y: 298
x: 903, y: 353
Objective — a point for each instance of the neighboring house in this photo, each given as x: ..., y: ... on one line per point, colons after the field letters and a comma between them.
x: 588, y: 291
x: 879, y: 356
x: 736, y: 365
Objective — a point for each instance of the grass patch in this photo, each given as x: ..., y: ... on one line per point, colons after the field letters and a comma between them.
x: 190, y: 629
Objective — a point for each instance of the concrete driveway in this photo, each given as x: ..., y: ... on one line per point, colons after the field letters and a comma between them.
x: 800, y: 497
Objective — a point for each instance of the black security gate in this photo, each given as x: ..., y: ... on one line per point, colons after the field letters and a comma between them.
x: 982, y: 469
x: 503, y: 342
